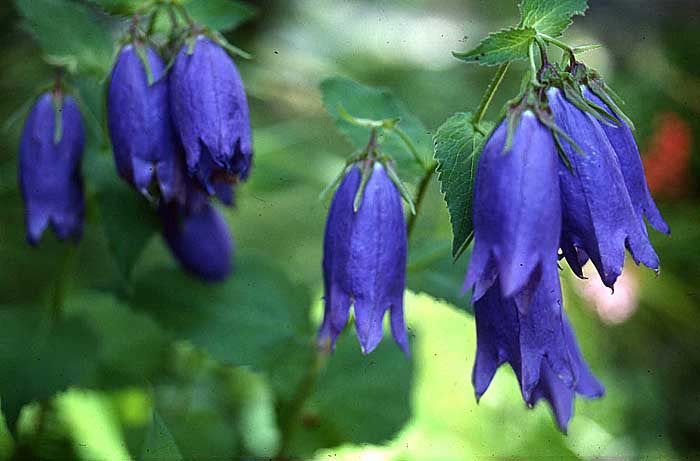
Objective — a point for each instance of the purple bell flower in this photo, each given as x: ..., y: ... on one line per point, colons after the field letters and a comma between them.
x: 210, y: 113
x: 622, y: 141
x: 364, y: 261
x: 517, y: 212
x: 537, y: 342
x: 199, y: 238
x: 49, y: 171
x: 599, y: 220
x: 138, y: 115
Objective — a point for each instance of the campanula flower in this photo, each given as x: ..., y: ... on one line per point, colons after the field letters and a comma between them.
x: 138, y: 115
x: 517, y: 210
x: 210, y: 113
x: 599, y: 220
x: 49, y: 168
x: 364, y: 260
x: 622, y: 141
x: 537, y: 342
x: 199, y: 238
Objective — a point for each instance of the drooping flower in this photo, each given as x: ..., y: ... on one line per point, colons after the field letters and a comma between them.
x: 199, y: 238
x: 537, y: 342
x: 517, y: 211
x: 210, y: 113
x: 49, y: 168
x: 140, y: 127
x: 599, y: 220
x: 624, y: 145
x: 364, y: 260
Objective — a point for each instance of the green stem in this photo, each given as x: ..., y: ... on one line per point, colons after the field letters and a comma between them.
x: 293, y: 411
x: 420, y: 195
x: 490, y: 92
x: 411, y: 147
x: 61, y: 284
x: 533, y: 65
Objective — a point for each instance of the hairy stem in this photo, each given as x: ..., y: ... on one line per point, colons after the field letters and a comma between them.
x: 490, y: 92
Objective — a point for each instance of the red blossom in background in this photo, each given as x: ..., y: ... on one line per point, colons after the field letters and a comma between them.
x: 668, y: 156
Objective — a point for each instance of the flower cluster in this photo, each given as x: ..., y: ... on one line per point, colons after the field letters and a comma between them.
x: 588, y: 200
x: 183, y: 135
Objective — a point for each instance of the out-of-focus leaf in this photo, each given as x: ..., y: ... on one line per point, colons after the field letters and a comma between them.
x: 457, y: 150
x: 39, y: 358
x: 362, y: 101
x: 430, y: 270
x: 502, y: 46
x: 132, y: 347
x: 92, y: 425
x: 159, y: 444
x: 69, y: 33
x: 128, y: 221
x: 357, y: 398
x: 551, y: 17
x: 239, y: 321
x: 222, y: 15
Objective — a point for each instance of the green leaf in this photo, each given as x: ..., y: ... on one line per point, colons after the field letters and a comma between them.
x: 457, y: 149
x: 550, y: 17
x: 239, y: 321
x: 132, y: 347
x: 430, y: 270
x: 221, y: 15
x: 357, y: 398
x: 159, y: 443
x: 502, y: 46
x: 364, y: 102
x: 39, y: 358
x: 68, y: 32
x: 128, y: 220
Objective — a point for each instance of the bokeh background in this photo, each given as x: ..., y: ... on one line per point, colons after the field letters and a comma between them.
x: 147, y: 363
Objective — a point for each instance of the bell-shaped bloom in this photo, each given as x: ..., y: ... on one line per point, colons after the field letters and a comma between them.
x: 517, y: 210
x: 537, y: 342
x: 364, y: 261
x: 199, y: 238
x: 622, y: 141
x: 210, y: 113
x: 138, y: 115
x: 49, y: 171
x: 598, y: 215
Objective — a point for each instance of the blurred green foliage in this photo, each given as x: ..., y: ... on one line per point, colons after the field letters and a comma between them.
x: 109, y: 351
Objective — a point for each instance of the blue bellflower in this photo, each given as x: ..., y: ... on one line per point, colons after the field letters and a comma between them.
x: 537, y: 342
x: 364, y: 261
x: 49, y: 171
x: 622, y: 141
x: 138, y: 115
x: 517, y: 212
x: 210, y: 113
x: 599, y: 219
x: 199, y: 238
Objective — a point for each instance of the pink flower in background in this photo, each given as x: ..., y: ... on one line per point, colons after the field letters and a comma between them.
x: 613, y: 307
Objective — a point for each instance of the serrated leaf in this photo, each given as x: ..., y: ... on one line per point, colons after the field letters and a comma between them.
x: 550, y: 17
x: 502, y: 46
x: 69, y: 32
x: 457, y: 148
x: 367, y: 102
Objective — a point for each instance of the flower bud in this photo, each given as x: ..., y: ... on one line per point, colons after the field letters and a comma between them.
x: 364, y: 260
x: 200, y: 240
x: 210, y: 113
x: 138, y: 115
x: 49, y: 168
